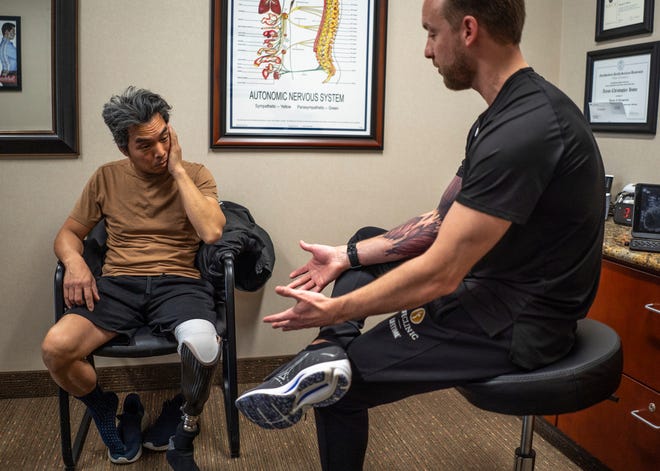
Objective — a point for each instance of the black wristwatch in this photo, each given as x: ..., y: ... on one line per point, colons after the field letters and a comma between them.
x: 351, y: 251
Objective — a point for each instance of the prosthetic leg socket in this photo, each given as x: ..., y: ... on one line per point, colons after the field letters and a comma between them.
x: 196, y: 380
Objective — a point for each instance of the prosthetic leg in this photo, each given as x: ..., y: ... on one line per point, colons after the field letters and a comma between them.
x: 200, y: 352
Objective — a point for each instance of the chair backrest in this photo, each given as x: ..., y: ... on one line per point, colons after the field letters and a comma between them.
x: 94, y: 247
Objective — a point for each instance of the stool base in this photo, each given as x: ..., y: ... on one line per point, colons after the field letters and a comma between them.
x: 524, y: 462
x: 525, y: 455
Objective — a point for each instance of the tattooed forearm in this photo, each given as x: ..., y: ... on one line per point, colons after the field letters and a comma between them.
x: 449, y: 196
x: 415, y: 236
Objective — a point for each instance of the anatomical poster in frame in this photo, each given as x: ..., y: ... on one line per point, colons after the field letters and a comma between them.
x: 298, y: 73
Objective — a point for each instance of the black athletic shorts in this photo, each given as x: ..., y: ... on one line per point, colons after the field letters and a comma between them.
x: 161, y: 302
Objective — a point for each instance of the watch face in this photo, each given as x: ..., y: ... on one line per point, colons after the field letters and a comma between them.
x: 623, y: 213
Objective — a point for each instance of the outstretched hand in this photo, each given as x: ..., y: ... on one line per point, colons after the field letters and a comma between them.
x: 311, y: 310
x: 325, y: 266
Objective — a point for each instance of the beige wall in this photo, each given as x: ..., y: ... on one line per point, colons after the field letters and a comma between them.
x: 315, y: 196
x: 630, y: 158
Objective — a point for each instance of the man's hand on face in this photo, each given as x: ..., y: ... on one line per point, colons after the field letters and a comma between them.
x: 175, y: 158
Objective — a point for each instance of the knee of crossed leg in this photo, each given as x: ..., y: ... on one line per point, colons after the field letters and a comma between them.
x: 57, y: 352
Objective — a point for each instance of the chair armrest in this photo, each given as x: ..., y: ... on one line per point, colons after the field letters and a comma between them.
x: 223, y: 286
x: 58, y: 291
x: 228, y: 262
x: 229, y: 285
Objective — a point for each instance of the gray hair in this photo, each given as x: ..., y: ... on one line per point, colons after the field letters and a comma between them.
x: 134, y: 106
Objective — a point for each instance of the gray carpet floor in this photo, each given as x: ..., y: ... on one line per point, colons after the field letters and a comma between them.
x: 432, y: 432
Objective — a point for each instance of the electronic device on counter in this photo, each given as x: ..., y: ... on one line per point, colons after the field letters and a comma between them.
x: 623, y: 205
x: 608, y: 194
x: 646, y: 218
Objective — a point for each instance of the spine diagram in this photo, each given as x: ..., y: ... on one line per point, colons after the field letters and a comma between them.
x: 325, y: 37
x: 277, y: 24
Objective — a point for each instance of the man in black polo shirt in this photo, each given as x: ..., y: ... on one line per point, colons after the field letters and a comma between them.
x: 492, y: 281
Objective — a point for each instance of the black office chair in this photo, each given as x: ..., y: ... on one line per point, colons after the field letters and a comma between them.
x: 144, y: 344
x: 589, y: 374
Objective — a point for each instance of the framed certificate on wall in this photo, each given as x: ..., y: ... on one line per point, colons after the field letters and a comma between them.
x: 621, y: 93
x: 620, y: 18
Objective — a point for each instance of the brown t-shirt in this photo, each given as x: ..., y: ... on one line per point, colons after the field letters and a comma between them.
x: 148, y: 230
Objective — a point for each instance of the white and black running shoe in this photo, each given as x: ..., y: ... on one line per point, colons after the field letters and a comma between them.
x: 314, y: 378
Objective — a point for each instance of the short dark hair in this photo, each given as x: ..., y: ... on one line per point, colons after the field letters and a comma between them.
x: 7, y: 27
x: 134, y: 106
x: 504, y: 19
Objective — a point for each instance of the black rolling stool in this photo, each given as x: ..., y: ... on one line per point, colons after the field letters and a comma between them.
x: 589, y: 374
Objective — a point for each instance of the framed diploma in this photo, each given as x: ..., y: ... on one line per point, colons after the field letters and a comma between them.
x: 621, y: 93
x: 619, y: 18
x: 298, y: 74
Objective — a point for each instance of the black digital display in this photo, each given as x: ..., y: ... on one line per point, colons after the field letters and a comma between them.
x: 646, y: 217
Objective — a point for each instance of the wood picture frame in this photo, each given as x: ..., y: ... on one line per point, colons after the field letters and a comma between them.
x: 288, y: 75
x: 62, y: 139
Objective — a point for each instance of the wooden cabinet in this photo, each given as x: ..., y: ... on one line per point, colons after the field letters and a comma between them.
x: 610, y: 433
x: 620, y: 303
x: 622, y: 434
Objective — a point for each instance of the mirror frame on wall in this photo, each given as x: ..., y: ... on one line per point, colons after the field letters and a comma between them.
x: 62, y: 140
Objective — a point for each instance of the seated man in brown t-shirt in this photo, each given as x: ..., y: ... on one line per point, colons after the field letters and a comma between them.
x: 157, y: 208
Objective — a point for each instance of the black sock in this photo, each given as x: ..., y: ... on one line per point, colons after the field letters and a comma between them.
x: 180, y: 455
x: 103, y: 407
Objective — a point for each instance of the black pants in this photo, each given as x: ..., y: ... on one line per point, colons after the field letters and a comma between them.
x: 432, y: 347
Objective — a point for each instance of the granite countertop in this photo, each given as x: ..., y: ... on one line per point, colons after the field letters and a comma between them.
x: 615, y: 248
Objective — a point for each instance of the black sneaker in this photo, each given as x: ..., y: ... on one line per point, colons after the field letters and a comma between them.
x: 314, y: 378
x: 130, y: 427
x: 157, y: 436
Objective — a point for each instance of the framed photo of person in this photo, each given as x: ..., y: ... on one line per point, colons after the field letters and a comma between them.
x: 620, y: 18
x: 621, y: 92
x: 51, y: 129
x: 10, y: 53
x: 290, y: 74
